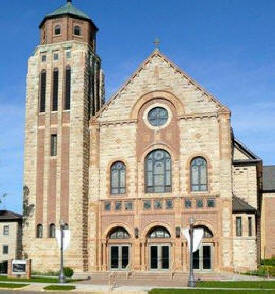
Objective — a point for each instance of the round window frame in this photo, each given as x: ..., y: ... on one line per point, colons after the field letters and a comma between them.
x: 155, y: 105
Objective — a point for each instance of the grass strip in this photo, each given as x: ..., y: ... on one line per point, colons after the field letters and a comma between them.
x: 33, y: 280
x: 59, y: 288
x: 207, y: 291
x: 238, y: 284
x: 13, y: 286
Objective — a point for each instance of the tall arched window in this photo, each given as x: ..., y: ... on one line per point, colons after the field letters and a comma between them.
x: 39, y: 231
x: 52, y: 231
x: 77, y: 30
x: 67, y: 104
x: 43, y: 77
x: 118, y: 172
x: 158, y: 172
x: 199, y: 174
x: 57, y: 30
x: 55, y: 90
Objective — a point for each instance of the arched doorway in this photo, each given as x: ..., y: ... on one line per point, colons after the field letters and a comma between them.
x: 119, y: 249
x: 159, y: 245
x: 203, y: 257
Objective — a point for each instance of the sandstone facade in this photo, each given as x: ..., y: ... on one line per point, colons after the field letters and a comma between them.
x: 75, y: 184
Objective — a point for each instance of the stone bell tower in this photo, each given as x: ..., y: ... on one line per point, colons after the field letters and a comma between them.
x: 65, y: 88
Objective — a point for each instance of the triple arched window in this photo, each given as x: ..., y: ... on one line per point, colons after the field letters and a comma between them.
x: 198, y: 174
x: 158, y: 172
x: 118, y: 173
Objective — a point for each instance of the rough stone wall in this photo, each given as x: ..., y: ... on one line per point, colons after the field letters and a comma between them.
x: 67, y: 173
x: 268, y: 226
x: 238, y: 155
x: 244, y: 247
x: 204, y: 127
x: 245, y: 184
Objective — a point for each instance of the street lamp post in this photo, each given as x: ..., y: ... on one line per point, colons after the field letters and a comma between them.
x: 62, y: 279
x: 191, y: 279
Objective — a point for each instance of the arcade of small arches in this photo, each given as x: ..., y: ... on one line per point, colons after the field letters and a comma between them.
x: 155, y: 249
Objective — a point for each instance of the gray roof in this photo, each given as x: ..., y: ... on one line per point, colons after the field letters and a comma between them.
x: 269, y: 178
x: 241, y: 206
x: 8, y: 215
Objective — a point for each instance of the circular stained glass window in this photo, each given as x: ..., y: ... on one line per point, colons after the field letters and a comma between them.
x: 158, y: 116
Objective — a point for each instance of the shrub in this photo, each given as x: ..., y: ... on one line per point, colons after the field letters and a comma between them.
x: 68, y: 272
x: 269, y: 262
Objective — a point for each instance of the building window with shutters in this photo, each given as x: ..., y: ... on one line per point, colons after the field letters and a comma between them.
x: 198, y: 174
x: 43, y: 76
x: 53, y: 145
x: 118, y: 172
x: 67, y: 105
x: 238, y: 226
x: 55, y: 90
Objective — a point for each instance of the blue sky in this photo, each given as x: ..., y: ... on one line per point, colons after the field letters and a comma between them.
x: 227, y: 46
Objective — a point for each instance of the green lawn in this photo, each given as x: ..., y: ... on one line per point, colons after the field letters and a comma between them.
x: 33, y: 280
x: 238, y: 284
x: 205, y: 291
x: 12, y: 286
x: 59, y: 288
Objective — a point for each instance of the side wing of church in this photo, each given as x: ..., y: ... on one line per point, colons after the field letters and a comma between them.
x: 126, y: 176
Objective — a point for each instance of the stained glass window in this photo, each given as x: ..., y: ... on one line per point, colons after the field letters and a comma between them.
x: 198, y: 174
x: 119, y: 233
x: 159, y: 232
x: 158, y: 172
x: 158, y: 116
x: 118, y: 172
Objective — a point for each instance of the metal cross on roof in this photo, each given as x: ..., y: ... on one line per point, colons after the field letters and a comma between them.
x: 156, y: 43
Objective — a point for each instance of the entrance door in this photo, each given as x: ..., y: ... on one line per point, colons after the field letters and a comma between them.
x: 119, y: 257
x: 159, y: 257
x: 202, y: 258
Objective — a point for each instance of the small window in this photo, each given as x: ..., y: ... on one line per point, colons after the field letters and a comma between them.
x: 118, y: 205
x: 52, y: 231
x: 199, y: 203
x: 107, y: 206
x: 158, y: 204
x: 68, y: 54
x: 250, y: 228
x: 147, y: 204
x: 55, y: 56
x: 43, y: 58
x: 169, y: 204
x: 57, y: 30
x: 129, y: 205
x: 5, y: 249
x: 66, y: 227
x: 39, y: 231
x: 211, y: 203
x: 119, y: 233
x: 188, y: 203
x: 53, y: 145
x: 77, y: 31
x: 238, y: 226
x: 159, y: 232
x: 6, y: 230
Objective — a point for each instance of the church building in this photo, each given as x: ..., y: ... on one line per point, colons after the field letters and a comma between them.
x: 126, y: 175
